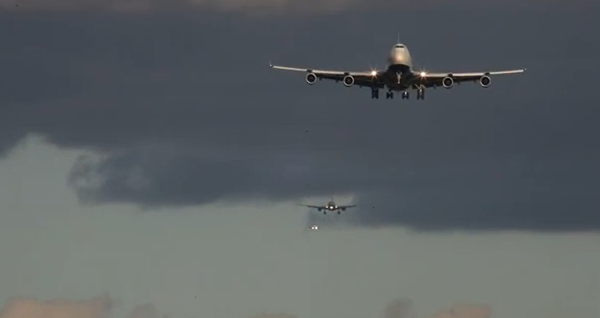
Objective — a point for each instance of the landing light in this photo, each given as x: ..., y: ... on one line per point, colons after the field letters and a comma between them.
x: 373, y: 73
x: 423, y: 74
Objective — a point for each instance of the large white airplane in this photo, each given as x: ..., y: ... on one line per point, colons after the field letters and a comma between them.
x: 398, y: 76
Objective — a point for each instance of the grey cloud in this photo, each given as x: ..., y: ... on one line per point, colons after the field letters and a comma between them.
x: 274, y: 315
x: 400, y: 308
x: 405, y: 308
x: 184, y: 111
x: 465, y: 311
x: 146, y: 311
x: 484, y: 193
x: 145, y: 6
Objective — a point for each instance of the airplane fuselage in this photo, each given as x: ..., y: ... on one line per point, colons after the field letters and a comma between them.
x: 331, y: 206
x: 399, y: 73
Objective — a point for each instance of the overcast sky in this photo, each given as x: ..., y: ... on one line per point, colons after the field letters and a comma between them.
x: 148, y: 151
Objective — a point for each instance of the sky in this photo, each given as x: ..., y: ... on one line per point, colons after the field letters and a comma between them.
x: 151, y: 161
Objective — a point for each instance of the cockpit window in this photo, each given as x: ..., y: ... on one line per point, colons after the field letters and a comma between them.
x: 399, y: 45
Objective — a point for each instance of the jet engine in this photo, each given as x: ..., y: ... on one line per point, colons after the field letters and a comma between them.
x: 311, y: 78
x: 343, y: 209
x: 485, y: 81
x: 348, y: 80
x: 448, y: 82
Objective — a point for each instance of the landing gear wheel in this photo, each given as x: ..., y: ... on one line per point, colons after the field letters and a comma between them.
x: 405, y: 95
x: 339, y: 212
x: 421, y: 93
x: 324, y: 212
x: 389, y: 95
x: 374, y: 94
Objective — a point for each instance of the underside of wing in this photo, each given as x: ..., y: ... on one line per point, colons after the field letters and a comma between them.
x: 312, y: 206
x: 367, y: 79
x: 447, y: 80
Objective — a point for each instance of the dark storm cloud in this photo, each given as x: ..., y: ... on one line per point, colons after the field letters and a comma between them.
x: 185, y: 110
x: 149, y: 6
x: 483, y: 193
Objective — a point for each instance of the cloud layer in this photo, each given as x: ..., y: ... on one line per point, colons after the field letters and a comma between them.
x: 184, y: 111
x: 102, y: 307
x: 144, y: 6
x: 97, y: 307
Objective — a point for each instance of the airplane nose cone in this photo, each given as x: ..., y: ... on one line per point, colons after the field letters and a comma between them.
x: 399, y: 59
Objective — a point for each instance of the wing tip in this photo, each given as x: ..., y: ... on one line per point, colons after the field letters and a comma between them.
x: 270, y: 64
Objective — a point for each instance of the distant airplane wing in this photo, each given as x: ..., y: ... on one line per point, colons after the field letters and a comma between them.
x: 313, y: 206
x: 435, y: 79
x: 346, y: 206
x: 367, y: 79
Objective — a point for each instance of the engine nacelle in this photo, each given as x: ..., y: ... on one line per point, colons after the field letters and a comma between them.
x: 485, y: 81
x: 348, y: 80
x: 447, y: 82
x: 311, y: 78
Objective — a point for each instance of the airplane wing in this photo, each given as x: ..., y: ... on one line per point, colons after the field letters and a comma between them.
x: 366, y: 79
x: 436, y: 79
x: 346, y: 206
x: 313, y: 206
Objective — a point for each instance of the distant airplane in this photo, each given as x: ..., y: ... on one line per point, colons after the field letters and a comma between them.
x: 398, y: 76
x: 331, y: 206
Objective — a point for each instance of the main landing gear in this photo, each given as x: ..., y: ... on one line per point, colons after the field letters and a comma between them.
x: 405, y: 94
x: 421, y: 93
x: 374, y: 94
